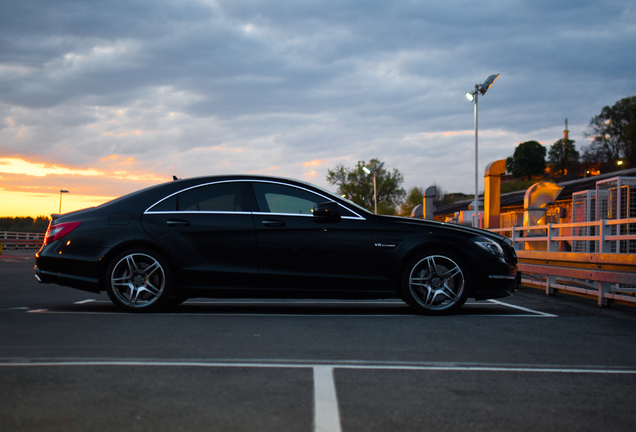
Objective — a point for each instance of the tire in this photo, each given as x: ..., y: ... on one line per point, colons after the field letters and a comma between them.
x: 139, y: 280
x: 436, y: 282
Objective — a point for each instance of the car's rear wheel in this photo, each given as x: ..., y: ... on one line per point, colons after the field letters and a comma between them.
x: 436, y: 282
x: 139, y: 280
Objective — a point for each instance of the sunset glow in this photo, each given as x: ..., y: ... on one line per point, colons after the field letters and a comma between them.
x: 33, y: 188
x: 20, y: 166
x: 13, y: 204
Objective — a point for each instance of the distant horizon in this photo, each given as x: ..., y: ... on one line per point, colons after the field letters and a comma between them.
x: 34, y: 204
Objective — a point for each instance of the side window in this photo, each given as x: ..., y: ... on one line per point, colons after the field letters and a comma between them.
x: 277, y: 198
x: 218, y: 197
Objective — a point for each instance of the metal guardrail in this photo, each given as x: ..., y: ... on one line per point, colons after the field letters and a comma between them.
x: 16, y: 240
x: 607, y: 275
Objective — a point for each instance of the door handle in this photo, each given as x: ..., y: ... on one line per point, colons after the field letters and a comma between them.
x: 273, y: 223
x: 177, y: 223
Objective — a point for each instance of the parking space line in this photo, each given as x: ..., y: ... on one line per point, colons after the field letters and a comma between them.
x: 289, y: 315
x: 313, y: 364
x: 84, y: 301
x: 229, y: 314
x: 530, y: 312
x: 543, y: 314
x: 326, y: 409
x: 326, y: 412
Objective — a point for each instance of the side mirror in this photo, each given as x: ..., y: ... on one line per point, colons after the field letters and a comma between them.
x: 327, y: 212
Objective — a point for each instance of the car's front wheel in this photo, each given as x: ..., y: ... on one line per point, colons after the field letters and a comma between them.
x: 139, y: 281
x: 436, y: 282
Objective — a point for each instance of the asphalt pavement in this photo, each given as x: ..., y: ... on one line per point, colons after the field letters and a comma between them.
x: 70, y: 361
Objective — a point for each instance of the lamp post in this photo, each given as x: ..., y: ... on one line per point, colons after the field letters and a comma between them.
x: 474, y: 96
x: 62, y: 191
x: 375, y: 190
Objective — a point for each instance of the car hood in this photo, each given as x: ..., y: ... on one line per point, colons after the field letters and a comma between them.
x: 457, y: 227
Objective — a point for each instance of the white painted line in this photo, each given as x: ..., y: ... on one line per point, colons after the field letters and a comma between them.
x: 532, y: 313
x: 359, y: 365
x: 214, y: 314
x: 544, y: 314
x: 85, y: 301
x: 326, y: 413
x: 293, y: 315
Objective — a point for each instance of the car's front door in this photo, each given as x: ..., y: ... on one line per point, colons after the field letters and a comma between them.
x: 301, y: 252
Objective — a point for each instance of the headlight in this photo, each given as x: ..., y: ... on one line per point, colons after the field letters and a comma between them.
x: 489, y: 245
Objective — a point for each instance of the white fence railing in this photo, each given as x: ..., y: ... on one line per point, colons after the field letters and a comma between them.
x: 4, y: 235
x: 18, y: 240
x: 610, y: 236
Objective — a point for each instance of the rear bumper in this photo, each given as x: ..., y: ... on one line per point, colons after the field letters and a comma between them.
x: 59, y: 264
x: 73, y: 281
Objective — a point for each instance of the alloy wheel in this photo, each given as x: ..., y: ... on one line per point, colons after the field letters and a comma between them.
x: 138, y: 280
x: 437, y: 283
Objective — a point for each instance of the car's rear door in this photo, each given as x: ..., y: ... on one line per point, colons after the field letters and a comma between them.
x: 209, y: 231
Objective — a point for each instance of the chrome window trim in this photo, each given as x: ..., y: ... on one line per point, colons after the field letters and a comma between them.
x: 148, y: 211
x: 301, y: 215
x: 197, y: 212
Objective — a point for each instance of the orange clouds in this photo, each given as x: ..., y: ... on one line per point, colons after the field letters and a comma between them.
x: 21, y: 166
x: 314, y: 163
x: 119, y: 159
x: 32, y: 188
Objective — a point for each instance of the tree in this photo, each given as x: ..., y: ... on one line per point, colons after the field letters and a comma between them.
x: 357, y: 186
x: 563, y: 157
x: 24, y: 224
x: 613, y: 134
x: 414, y: 198
x: 528, y: 160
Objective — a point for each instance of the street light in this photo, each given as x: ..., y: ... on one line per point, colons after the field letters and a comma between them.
x: 474, y: 96
x: 62, y: 191
x: 375, y: 190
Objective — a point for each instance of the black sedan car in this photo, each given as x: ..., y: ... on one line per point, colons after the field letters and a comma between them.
x: 263, y: 237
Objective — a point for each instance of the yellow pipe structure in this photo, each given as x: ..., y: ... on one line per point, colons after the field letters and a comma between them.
x: 492, y: 193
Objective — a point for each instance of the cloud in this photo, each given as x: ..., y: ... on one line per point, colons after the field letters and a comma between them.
x: 205, y: 87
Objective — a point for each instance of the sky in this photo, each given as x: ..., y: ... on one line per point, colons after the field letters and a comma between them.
x: 102, y: 98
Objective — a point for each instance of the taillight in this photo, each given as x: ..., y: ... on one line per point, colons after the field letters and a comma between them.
x: 58, y: 231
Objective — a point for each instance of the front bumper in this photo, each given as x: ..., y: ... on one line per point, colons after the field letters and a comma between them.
x: 500, y: 279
